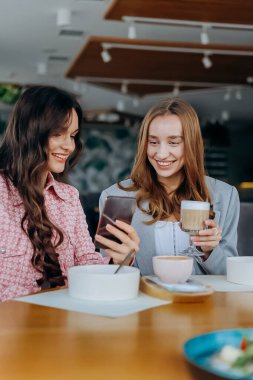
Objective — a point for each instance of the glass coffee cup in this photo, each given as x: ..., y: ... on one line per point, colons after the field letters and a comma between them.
x: 193, y: 215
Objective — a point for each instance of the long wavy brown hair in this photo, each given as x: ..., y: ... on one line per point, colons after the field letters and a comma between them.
x: 192, y: 187
x: 41, y: 111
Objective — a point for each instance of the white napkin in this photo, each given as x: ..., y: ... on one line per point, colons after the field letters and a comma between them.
x: 60, y: 299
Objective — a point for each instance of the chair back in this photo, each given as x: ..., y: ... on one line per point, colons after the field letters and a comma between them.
x: 245, y: 230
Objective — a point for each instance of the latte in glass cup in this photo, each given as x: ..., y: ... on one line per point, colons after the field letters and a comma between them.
x: 193, y: 216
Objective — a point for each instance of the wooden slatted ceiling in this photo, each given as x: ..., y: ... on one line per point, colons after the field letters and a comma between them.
x: 218, y: 11
x: 160, y: 65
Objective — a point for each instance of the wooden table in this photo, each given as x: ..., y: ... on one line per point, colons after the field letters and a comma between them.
x: 45, y: 343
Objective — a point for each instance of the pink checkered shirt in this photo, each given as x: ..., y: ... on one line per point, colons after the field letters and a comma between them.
x: 17, y: 275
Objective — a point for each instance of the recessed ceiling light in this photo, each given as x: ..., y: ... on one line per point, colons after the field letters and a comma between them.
x: 63, y: 17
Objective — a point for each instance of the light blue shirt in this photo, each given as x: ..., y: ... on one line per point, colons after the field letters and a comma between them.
x: 226, y: 206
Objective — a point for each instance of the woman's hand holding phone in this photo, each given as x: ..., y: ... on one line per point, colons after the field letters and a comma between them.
x: 115, y: 235
x: 128, y: 237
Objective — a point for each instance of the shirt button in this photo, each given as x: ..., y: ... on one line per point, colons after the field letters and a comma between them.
x: 2, y: 250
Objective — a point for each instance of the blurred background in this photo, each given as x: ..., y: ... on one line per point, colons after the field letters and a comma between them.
x: 120, y: 57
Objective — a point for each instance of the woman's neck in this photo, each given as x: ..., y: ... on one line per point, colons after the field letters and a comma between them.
x: 44, y: 179
x: 172, y: 183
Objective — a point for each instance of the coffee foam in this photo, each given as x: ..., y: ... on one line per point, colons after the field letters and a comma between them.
x: 195, y: 205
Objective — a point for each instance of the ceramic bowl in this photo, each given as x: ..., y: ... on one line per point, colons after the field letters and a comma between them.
x: 173, y: 269
x: 99, y: 283
x: 240, y: 270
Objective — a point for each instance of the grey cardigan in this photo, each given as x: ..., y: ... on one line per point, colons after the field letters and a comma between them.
x: 226, y: 205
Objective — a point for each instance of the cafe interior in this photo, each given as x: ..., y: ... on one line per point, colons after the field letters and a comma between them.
x: 119, y: 58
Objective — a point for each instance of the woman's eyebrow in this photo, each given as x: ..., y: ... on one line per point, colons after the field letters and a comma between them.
x: 175, y: 137
x: 168, y: 137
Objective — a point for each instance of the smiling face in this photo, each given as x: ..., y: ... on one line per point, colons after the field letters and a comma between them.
x: 61, y: 145
x: 165, y: 149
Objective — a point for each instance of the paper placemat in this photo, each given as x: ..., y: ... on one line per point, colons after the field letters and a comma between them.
x: 220, y: 283
x: 60, y: 299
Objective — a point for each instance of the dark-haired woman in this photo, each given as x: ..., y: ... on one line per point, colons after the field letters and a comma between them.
x: 169, y: 168
x: 43, y: 230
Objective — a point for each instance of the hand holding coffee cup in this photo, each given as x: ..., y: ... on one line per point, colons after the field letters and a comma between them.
x: 173, y: 269
x: 208, y: 238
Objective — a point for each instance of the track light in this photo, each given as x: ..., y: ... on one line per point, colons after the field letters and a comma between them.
x: 207, y: 63
x: 176, y: 90
x: 204, y: 38
x: 106, y: 56
x: 41, y: 68
x: 63, y: 17
x: 132, y: 32
x: 124, y: 88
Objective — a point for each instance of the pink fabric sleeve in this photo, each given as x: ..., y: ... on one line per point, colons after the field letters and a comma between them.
x: 84, y: 247
x: 8, y: 293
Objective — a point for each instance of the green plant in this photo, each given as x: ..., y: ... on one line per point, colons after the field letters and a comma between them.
x: 9, y: 93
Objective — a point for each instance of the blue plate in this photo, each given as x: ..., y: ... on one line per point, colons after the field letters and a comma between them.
x: 199, y: 352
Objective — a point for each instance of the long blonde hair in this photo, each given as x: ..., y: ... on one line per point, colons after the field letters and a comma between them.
x: 193, y: 187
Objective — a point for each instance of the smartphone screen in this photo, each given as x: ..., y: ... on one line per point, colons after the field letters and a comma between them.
x: 115, y: 208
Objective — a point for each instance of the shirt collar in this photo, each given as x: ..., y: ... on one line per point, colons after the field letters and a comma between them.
x: 56, y: 186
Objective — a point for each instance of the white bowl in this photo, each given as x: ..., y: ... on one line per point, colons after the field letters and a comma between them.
x: 240, y: 270
x: 99, y: 283
x: 172, y: 269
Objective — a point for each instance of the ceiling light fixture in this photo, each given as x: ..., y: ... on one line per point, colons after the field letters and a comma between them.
x: 124, y: 88
x: 132, y: 31
x: 154, y: 82
x: 207, y: 63
x: 204, y: 37
x: 179, y: 48
x: 176, y: 89
x: 190, y: 23
x: 63, y: 17
x: 105, y: 55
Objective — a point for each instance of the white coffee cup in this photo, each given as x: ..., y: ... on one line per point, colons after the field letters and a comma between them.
x: 173, y: 269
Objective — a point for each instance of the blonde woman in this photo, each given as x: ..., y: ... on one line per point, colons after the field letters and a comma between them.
x: 169, y: 168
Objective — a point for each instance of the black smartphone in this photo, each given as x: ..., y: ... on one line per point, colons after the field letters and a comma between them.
x: 115, y: 208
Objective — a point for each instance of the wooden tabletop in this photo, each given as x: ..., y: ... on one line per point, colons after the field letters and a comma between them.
x: 39, y: 342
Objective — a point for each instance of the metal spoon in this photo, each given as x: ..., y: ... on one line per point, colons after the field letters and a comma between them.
x: 123, y: 262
